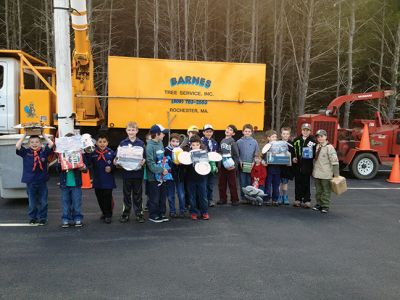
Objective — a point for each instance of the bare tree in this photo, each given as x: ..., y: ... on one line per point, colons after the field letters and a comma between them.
x: 228, y: 35
x: 186, y: 21
x: 156, y: 27
x: 395, y: 74
x: 253, y: 31
x: 349, y: 89
x: 137, y: 54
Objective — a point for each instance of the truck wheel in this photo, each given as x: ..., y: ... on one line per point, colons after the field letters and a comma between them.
x: 365, y: 166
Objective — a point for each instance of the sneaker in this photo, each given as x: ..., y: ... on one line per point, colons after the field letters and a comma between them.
x: 317, y: 207
x: 286, y: 200
x: 164, y: 218
x: 324, y: 210
x: 236, y: 203
x: 124, y: 219
x: 156, y: 220
x: 78, y: 223
x: 32, y: 221
x: 193, y: 216
x: 268, y: 203
x: 275, y: 203
x: 205, y: 217
x: 173, y: 215
x: 65, y: 225
x: 220, y: 202
x: 211, y: 204
x: 296, y: 203
x: 42, y: 222
x: 107, y: 220
x: 307, y: 205
x: 140, y: 219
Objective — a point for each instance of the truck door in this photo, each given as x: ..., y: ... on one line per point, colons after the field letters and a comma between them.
x: 3, y: 96
x: 396, y: 142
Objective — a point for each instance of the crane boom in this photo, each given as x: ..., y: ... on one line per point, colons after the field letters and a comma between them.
x: 88, y: 110
x: 335, y: 104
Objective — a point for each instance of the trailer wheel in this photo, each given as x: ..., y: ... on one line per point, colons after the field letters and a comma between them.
x: 365, y: 166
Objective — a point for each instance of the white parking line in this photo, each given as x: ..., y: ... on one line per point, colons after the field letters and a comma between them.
x: 17, y: 225
x: 370, y: 188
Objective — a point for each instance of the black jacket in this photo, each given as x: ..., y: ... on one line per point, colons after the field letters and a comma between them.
x: 303, y: 166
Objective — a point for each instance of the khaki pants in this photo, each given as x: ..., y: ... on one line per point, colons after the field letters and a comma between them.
x: 323, y: 192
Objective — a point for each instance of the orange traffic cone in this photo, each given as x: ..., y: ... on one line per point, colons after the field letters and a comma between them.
x: 395, y: 173
x: 86, y: 184
x: 365, y: 143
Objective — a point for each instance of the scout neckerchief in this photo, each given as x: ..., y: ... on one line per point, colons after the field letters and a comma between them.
x: 36, y: 160
x: 101, y: 154
x: 319, y: 147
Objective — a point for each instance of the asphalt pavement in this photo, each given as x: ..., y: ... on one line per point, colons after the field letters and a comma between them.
x: 242, y: 252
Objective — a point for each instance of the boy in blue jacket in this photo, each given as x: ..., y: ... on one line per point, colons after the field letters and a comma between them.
x: 34, y: 174
x: 103, y: 177
x: 212, y: 146
x: 132, y: 180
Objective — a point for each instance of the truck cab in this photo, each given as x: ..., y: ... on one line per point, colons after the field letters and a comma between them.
x: 9, y: 94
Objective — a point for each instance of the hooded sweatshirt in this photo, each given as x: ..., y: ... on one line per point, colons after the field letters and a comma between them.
x: 248, y: 147
x: 151, y: 159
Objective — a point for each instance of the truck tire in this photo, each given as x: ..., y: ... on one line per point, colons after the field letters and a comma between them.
x: 364, y: 166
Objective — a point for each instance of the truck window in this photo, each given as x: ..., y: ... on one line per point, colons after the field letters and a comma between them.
x: 29, y: 81
x: 1, y: 76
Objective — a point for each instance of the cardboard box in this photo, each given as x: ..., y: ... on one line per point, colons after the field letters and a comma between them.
x: 338, y: 185
x: 33, y: 131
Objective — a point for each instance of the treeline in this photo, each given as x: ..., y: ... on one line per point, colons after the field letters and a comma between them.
x: 314, y: 49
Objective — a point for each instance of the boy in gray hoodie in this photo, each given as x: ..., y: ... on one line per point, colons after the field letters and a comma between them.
x: 230, y: 162
x: 157, y: 190
x: 248, y: 148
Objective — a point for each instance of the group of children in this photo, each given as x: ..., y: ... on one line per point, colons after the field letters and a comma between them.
x: 164, y: 177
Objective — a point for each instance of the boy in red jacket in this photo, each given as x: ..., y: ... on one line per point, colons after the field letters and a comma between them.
x: 258, y: 173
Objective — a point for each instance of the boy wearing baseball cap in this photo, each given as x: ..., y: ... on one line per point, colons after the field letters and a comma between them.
x: 157, y: 190
x: 304, y: 153
x: 212, y: 146
x: 326, y: 164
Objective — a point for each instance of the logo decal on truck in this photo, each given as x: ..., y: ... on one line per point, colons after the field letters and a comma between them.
x: 30, y: 110
x: 190, y: 80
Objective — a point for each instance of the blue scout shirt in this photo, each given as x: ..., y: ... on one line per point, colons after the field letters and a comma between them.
x: 34, y: 164
x: 133, y: 174
x: 100, y: 160
x: 211, y: 144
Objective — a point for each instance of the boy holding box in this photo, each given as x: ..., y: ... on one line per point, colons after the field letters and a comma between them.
x: 326, y: 164
x: 34, y: 174
x: 248, y: 147
x: 304, y: 149
x: 230, y: 162
x: 157, y: 190
x: 132, y: 180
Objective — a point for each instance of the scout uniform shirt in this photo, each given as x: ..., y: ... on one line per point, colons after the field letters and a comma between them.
x: 34, y: 164
x: 100, y: 160
x: 325, y: 159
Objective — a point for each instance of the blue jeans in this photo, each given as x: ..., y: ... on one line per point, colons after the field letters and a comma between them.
x: 37, y: 197
x: 177, y: 186
x: 245, y: 180
x: 71, y: 201
x: 272, y: 186
x: 198, y: 192
x: 211, y: 178
x: 157, y: 199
